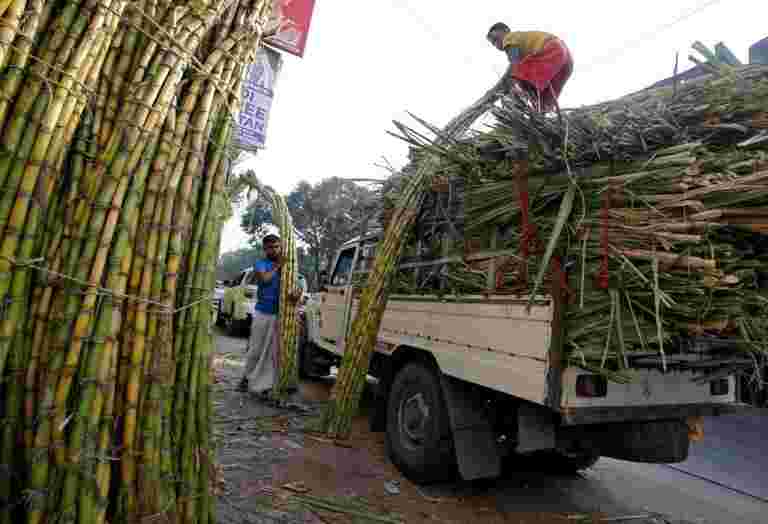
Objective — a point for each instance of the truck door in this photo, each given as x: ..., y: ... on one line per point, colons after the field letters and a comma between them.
x: 334, y: 299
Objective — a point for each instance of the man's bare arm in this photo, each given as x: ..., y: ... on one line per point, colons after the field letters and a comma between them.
x: 514, y: 55
x: 266, y: 276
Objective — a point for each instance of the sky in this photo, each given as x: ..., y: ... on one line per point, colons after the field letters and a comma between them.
x: 367, y: 63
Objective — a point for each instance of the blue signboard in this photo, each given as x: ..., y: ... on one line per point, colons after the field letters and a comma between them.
x: 256, y: 100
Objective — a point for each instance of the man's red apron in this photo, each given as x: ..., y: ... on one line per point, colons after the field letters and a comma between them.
x: 547, y: 70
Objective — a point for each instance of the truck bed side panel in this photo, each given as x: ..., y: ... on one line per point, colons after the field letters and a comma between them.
x: 493, y: 343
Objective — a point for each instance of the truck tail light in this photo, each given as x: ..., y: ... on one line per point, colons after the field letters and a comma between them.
x: 719, y: 387
x: 591, y: 386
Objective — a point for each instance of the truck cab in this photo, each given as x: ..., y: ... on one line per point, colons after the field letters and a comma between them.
x: 466, y: 382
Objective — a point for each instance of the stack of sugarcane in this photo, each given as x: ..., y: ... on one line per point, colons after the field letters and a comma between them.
x: 654, y: 208
x: 115, y: 120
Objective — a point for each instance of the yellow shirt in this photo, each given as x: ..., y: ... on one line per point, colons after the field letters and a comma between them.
x: 527, y: 41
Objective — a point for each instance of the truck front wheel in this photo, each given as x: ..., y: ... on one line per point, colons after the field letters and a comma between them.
x: 419, y: 439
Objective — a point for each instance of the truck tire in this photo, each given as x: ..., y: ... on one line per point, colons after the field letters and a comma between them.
x: 218, y: 316
x: 418, y: 435
x: 305, y: 357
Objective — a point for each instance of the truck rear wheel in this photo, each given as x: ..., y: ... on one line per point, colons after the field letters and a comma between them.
x: 419, y: 439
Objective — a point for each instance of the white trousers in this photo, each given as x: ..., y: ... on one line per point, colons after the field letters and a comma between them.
x: 262, y: 361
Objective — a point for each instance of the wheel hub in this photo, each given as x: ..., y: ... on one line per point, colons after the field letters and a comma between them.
x: 414, y: 418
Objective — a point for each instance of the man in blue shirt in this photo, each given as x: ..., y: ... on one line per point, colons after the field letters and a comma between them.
x: 262, y: 363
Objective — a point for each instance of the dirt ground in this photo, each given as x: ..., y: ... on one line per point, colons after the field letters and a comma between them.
x: 273, y: 468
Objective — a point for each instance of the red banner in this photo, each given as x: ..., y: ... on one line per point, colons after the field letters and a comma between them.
x: 292, y: 18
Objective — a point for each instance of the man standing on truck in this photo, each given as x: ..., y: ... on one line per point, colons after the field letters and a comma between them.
x: 540, y: 63
x: 262, y: 361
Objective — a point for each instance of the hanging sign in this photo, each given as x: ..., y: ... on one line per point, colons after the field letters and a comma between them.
x: 256, y: 100
x: 292, y: 19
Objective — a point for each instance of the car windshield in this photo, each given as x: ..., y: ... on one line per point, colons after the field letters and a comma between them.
x: 252, y: 279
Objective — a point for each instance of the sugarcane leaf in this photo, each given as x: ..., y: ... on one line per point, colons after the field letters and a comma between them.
x: 566, y: 207
x: 640, y: 333
x: 616, y: 299
x: 657, y: 306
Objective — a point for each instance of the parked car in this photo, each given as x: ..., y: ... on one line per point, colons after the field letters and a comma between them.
x: 218, y: 298
x: 238, y: 303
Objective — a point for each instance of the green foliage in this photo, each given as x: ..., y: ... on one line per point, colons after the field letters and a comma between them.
x: 232, y: 263
x: 325, y: 215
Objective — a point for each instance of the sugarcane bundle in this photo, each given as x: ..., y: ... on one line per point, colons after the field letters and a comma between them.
x: 116, y: 119
x: 359, y: 344
x: 288, y: 319
x: 652, y: 207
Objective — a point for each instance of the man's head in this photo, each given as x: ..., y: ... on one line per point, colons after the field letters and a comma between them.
x: 271, y: 245
x: 496, y: 35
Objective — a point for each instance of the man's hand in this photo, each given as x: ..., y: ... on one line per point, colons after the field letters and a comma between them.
x: 295, y: 295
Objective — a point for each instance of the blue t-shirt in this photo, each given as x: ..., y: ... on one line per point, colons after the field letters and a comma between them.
x: 269, y: 293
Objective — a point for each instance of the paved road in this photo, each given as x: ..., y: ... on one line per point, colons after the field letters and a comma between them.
x: 723, y: 481
x: 620, y: 488
x: 734, y: 454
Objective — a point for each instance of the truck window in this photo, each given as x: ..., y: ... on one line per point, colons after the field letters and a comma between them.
x: 366, y: 257
x: 343, y: 268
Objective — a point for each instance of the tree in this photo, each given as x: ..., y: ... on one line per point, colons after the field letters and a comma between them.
x: 232, y: 263
x: 325, y: 215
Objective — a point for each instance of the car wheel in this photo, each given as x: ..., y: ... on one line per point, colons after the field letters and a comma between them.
x: 218, y: 317
x: 236, y: 328
x: 418, y: 433
x: 305, y: 357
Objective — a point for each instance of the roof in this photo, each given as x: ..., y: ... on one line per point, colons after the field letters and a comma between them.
x: 352, y: 241
x: 758, y: 52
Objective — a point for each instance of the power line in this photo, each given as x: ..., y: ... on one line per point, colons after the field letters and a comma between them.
x: 616, y: 52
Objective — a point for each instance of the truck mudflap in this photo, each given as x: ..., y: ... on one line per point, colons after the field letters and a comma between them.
x: 650, y: 441
x: 574, y: 416
x: 474, y: 441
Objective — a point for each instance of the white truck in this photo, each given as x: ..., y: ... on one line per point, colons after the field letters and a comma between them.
x: 464, y: 382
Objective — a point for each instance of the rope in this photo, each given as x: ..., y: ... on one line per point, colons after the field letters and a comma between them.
x: 528, y: 232
x: 102, y: 291
x: 603, y: 276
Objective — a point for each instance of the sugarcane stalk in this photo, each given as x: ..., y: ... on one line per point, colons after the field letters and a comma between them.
x: 90, y: 215
x: 345, y: 395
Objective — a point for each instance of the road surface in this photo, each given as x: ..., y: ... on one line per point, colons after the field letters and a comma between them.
x: 724, y: 481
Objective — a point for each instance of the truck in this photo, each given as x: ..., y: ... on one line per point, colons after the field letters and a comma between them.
x: 471, y: 383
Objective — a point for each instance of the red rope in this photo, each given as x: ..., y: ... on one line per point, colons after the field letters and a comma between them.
x: 527, y: 230
x: 559, y: 274
x: 603, y: 275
